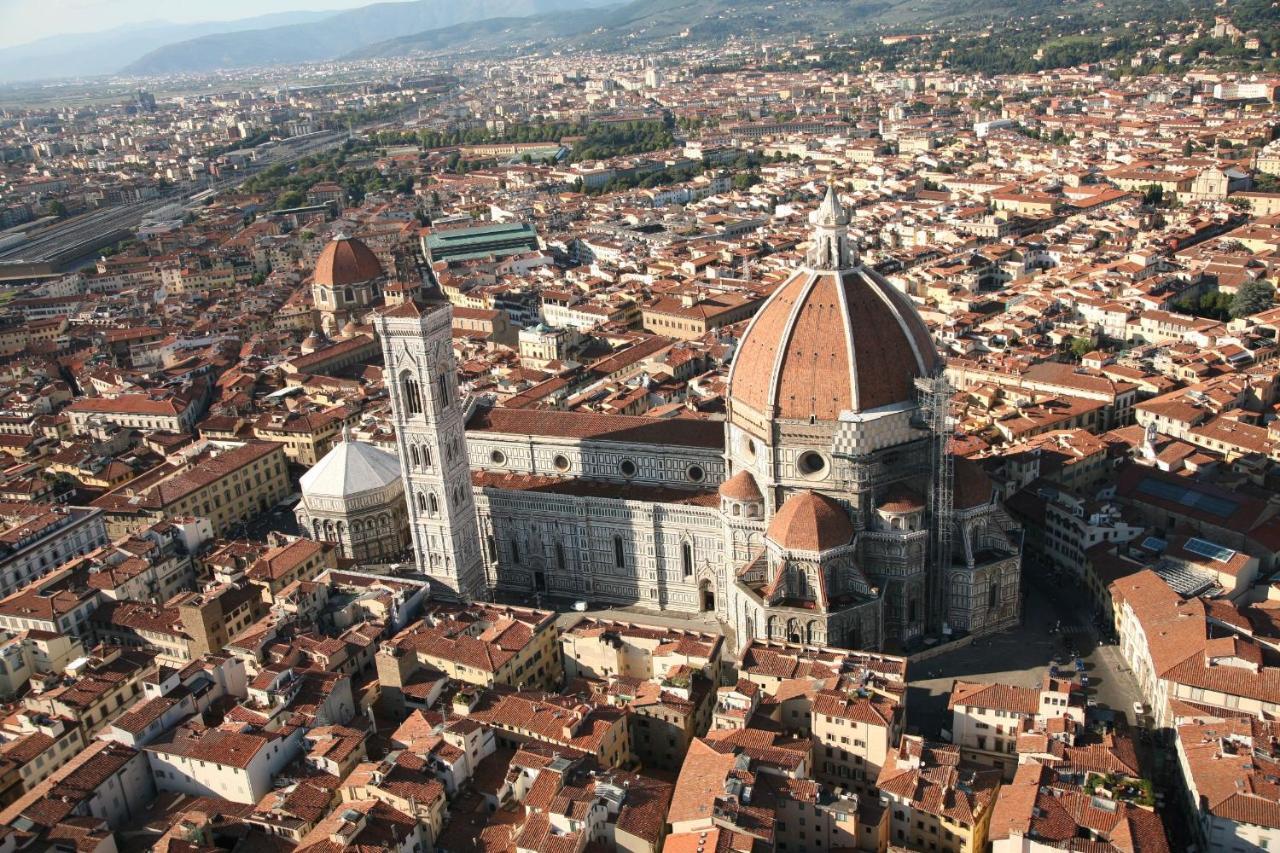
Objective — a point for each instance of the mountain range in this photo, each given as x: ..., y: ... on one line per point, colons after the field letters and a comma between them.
x: 336, y: 35
x: 409, y: 27
x: 107, y: 51
x: 650, y: 22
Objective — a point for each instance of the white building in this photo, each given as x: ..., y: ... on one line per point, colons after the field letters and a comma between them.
x: 804, y: 517
x: 353, y: 497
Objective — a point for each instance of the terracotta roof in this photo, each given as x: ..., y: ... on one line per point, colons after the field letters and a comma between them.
x: 741, y: 487
x: 809, y: 521
x: 346, y: 261
x: 830, y: 342
x: 686, y: 432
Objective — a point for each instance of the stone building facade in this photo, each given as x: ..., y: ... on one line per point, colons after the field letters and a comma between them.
x: 810, y: 514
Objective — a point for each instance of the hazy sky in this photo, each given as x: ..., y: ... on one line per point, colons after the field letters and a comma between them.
x: 27, y: 20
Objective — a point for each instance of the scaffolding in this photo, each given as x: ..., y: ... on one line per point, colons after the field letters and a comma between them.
x: 935, y: 404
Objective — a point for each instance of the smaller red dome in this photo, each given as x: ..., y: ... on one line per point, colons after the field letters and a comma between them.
x: 345, y: 261
x: 809, y: 521
x: 741, y: 487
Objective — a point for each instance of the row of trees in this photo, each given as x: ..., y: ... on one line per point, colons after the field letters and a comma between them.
x: 1251, y: 298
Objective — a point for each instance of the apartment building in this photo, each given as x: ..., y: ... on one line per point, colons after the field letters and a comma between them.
x: 988, y: 719
x: 936, y: 800
x: 483, y: 645
x: 38, y: 539
x: 226, y: 484
x: 233, y: 762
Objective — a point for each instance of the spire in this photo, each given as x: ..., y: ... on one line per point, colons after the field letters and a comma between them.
x: 830, y: 248
x: 831, y: 214
x: 346, y: 433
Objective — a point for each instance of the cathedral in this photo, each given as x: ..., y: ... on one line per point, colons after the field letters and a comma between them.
x: 823, y: 509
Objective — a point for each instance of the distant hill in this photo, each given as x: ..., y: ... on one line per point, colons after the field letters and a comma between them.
x: 107, y: 51
x: 639, y: 21
x: 337, y: 34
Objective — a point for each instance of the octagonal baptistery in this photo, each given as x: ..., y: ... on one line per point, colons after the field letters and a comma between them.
x: 354, y: 497
x: 826, y: 370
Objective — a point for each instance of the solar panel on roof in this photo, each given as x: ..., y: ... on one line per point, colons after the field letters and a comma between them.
x: 1154, y: 543
x: 1202, y: 501
x: 1209, y: 550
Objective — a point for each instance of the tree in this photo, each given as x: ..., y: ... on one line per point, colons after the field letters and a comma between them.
x: 58, y: 209
x: 745, y: 180
x: 1154, y: 195
x: 1252, y: 297
x: 292, y: 198
x: 1080, y: 347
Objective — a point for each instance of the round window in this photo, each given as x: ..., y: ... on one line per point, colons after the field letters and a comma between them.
x: 628, y: 468
x: 748, y: 446
x: 812, y: 465
x: 695, y: 474
x: 561, y: 462
x: 497, y: 457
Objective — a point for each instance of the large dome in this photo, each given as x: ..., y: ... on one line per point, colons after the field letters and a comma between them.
x: 835, y: 337
x: 346, y: 261
x: 351, y: 468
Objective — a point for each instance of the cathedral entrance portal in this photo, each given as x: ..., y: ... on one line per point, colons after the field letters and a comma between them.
x: 540, y: 581
x: 708, y: 596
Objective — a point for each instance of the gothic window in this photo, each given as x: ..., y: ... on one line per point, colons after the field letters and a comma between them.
x: 515, y: 552
x: 413, y: 454
x: 993, y: 594
x: 426, y: 456
x: 442, y: 388
x: 686, y: 558
x: 422, y: 503
x: 619, y: 553
x: 433, y: 503
x: 412, y: 396
x: 560, y: 556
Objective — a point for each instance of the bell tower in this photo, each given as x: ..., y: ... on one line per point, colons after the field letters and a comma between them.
x: 429, y: 416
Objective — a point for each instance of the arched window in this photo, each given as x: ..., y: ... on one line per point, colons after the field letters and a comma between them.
x: 686, y: 558
x: 560, y: 556
x: 515, y: 551
x: 413, y: 454
x: 422, y: 503
x: 412, y: 395
x: 433, y: 503
x: 619, y: 553
x: 993, y: 594
x: 349, y: 295
x: 442, y: 388
x: 426, y: 456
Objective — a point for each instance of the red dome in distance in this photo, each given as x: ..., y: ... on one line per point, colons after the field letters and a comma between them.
x: 345, y: 261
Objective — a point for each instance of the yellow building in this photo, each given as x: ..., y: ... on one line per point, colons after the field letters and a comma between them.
x: 226, y: 485
x: 936, y: 801
x: 481, y: 644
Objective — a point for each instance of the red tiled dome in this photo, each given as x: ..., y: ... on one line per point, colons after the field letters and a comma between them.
x: 830, y: 341
x: 809, y: 521
x: 901, y: 499
x: 346, y: 261
x: 741, y: 487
